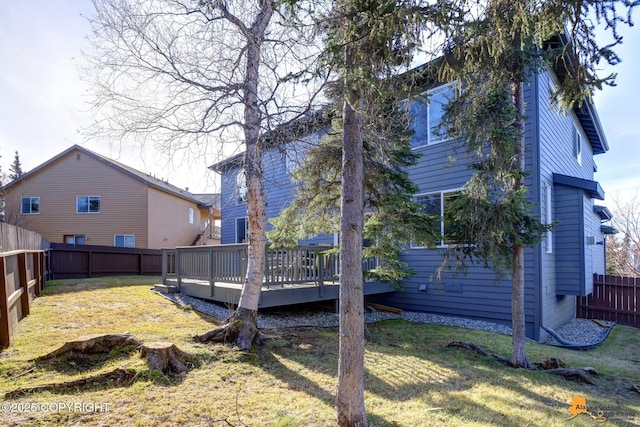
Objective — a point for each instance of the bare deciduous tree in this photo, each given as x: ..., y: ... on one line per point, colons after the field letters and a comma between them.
x: 623, y: 249
x: 204, y: 75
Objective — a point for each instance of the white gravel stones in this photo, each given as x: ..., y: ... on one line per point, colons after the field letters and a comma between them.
x: 578, y: 331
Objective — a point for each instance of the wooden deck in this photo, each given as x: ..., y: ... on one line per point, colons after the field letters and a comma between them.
x: 272, y: 296
x: 293, y: 276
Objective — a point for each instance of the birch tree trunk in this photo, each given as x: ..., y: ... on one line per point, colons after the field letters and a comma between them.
x: 242, y: 327
x: 247, y: 311
x: 350, y: 397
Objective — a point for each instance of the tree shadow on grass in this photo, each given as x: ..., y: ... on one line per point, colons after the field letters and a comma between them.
x: 443, y: 382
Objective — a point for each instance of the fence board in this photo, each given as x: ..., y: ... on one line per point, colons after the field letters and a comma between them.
x: 80, y: 261
x: 614, y: 298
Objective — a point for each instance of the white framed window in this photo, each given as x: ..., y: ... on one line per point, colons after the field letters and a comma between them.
x: 577, y: 145
x: 74, y: 239
x: 427, y: 112
x: 241, y: 187
x: 30, y: 205
x: 190, y: 215
x: 548, y: 219
x: 124, y: 240
x: 88, y: 204
x: 438, y: 205
x: 241, y: 230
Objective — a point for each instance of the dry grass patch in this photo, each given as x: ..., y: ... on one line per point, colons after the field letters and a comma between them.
x: 412, y: 378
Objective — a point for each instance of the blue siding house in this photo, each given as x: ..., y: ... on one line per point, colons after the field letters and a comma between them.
x: 560, y: 161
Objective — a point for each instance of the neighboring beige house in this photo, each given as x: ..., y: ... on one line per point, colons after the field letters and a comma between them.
x: 82, y: 197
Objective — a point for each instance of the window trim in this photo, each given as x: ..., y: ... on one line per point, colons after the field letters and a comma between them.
x: 442, y: 194
x: 577, y: 145
x: 427, y: 94
x: 31, y: 199
x: 241, y: 188
x: 246, y: 228
x: 89, y: 198
x: 548, y: 220
x: 124, y: 238
x: 191, y: 215
x: 75, y: 239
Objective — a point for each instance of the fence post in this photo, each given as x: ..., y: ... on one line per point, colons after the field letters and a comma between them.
x: 89, y: 258
x: 4, y: 305
x: 38, y: 271
x: 24, y: 283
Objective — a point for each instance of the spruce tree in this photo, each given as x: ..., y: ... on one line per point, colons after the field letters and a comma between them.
x: 492, y: 54
x: 16, y: 167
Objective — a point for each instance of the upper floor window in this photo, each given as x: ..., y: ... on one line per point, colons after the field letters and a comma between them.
x: 30, y: 205
x: 74, y: 239
x: 88, y: 204
x: 124, y: 240
x: 577, y: 145
x: 427, y: 112
x: 439, y: 206
x: 190, y: 215
x: 241, y: 187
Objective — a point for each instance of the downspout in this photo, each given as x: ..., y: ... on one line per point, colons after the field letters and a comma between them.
x: 574, y: 346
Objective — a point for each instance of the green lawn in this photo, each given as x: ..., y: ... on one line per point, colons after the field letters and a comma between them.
x: 412, y: 378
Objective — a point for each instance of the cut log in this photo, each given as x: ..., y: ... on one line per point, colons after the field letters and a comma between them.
x: 165, y: 357
x: 119, y: 377
x: 94, y: 344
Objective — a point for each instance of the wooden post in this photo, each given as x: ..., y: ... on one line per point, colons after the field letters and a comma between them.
x: 4, y: 305
x: 89, y: 257
x: 38, y: 272
x: 321, y: 259
x: 177, y: 258
x: 212, y: 283
x: 24, y: 283
x: 165, y: 265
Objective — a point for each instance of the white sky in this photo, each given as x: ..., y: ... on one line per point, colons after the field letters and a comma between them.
x: 43, y: 102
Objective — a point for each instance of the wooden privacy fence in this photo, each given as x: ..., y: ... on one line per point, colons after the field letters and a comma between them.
x: 22, y: 276
x: 614, y: 298
x: 79, y: 261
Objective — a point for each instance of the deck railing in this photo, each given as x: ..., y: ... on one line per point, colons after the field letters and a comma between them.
x: 228, y: 264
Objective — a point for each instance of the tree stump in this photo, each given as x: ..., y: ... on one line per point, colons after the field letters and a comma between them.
x: 165, y: 357
x: 93, y: 344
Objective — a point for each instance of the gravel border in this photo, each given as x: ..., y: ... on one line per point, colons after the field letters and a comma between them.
x: 577, y: 331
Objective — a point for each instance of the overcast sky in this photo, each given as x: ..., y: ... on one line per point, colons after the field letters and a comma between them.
x: 44, y: 102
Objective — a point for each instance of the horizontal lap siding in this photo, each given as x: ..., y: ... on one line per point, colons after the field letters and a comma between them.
x: 476, y: 294
x: 123, y: 201
x: 279, y: 192
x: 169, y: 220
x: 556, y: 156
